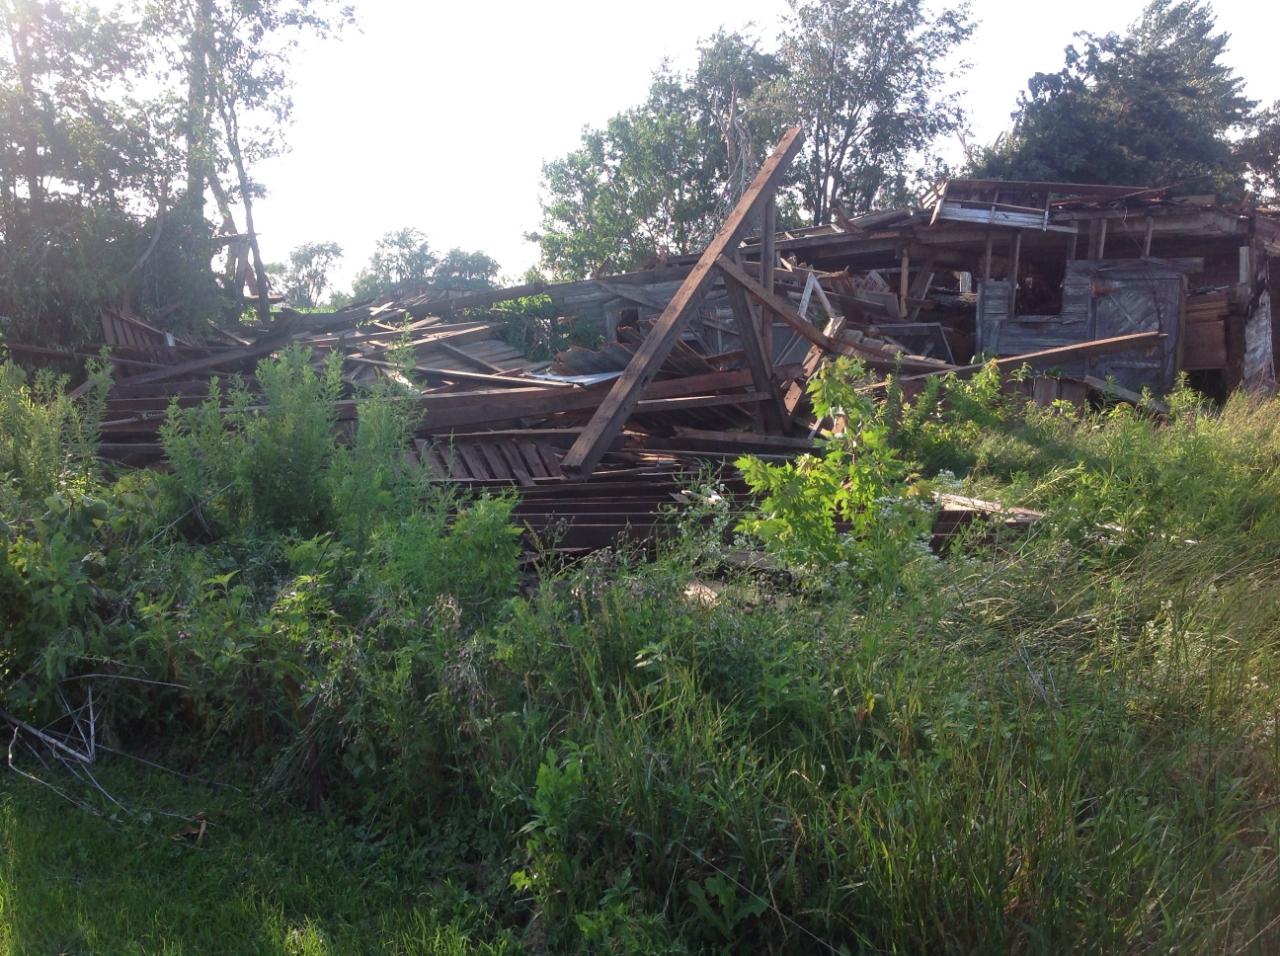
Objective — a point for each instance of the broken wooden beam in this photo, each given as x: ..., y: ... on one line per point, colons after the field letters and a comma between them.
x: 258, y: 350
x: 1125, y: 394
x: 776, y: 421
x: 1054, y: 356
x: 630, y: 386
x: 875, y: 357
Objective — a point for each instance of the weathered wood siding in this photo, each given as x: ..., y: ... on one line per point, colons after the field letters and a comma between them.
x: 1099, y: 300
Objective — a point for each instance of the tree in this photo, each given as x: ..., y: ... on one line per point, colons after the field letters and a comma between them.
x: 464, y: 271
x: 657, y: 179
x: 307, y: 276
x: 1260, y: 153
x: 1154, y: 107
x: 234, y: 57
x: 93, y: 210
x: 85, y: 173
x: 401, y: 265
x: 404, y: 265
x: 865, y: 80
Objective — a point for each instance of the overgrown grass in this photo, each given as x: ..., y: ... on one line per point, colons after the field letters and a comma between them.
x: 1063, y: 741
x: 287, y: 883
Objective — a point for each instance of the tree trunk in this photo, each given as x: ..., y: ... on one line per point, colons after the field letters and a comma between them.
x: 237, y: 158
x: 30, y: 122
x: 197, y: 130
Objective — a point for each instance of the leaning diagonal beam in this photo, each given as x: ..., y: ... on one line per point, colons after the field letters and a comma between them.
x: 733, y: 273
x: 617, y: 407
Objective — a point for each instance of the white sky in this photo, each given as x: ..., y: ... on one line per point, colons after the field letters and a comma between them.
x: 438, y: 114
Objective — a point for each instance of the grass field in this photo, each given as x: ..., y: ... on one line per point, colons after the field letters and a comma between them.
x: 1058, y: 742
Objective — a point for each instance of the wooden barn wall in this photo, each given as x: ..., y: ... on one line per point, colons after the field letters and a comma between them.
x: 1100, y: 299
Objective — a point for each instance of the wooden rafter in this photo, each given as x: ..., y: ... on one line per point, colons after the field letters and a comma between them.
x: 612, y: 414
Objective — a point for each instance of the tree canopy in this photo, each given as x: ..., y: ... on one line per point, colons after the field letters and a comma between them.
x: 404, y: 264
x: 864, y: 78
x: 1155, y: 106
x: 113, y: 126
x: 657, y: 179
x: 307, y: 276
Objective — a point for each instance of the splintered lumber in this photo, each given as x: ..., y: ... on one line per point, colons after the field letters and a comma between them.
x: 1065, y: 353
x: 734, y: 275
x: 630, y: 386
x: 58, y: 353
x: 451, y: 410
x: 457, y: 375
x: 776, y: 421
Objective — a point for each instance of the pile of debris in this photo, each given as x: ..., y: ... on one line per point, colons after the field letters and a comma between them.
x: 706, y: 358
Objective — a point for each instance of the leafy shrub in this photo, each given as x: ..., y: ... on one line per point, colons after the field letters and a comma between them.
x: 267, y: 462
x: 850, y: 506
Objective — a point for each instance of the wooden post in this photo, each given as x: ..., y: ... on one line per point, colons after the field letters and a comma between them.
x: 1102, y: 239
x: 1014, y: 256
x: 1073, y: 240
x: 773, y: 417
x: 613, y: 412
x: 1093, y: 239
x: 904, y: 283
x: 768, y: 259
x: 986, y: 258
x: 1146, y: 237
x: 768, y: 256
x: 920, y: 288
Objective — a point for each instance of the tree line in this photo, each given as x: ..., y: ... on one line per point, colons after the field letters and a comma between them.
x: 130, y: 137
x: 868, y: 80
x: 129, y: 140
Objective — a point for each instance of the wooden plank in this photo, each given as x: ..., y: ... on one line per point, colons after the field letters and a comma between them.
x: 627, y: 390
x: 550, y: 459
x: 813, y: 358
x: 475, y: 463
x: 745, y: 438
x: 431, y: 459
x: 1204, y: 346
x: 532, y: 459
x: 472, y: 360
x: 768, y: 253
x: 258, y: 350
x: 58, y: 353
x: 920, y: 288
x: 443, y: 412
x: 1014, y: 256
x: 1132, y: 397
x: 904, y: 276
x: 443, y: 461
x: 493, y: 457
x: 638, y: 295
x: 773, y: 413
x: 512, y: 454
x: 783, y: 310
x: 699, y: 401
x: 1056, y: 356
x: 457, y: 375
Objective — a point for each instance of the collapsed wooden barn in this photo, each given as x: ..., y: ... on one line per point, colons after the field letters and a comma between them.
x: 706, y: 357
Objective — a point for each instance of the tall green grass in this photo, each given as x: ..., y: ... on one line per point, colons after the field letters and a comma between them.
x: 1062, y: 741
